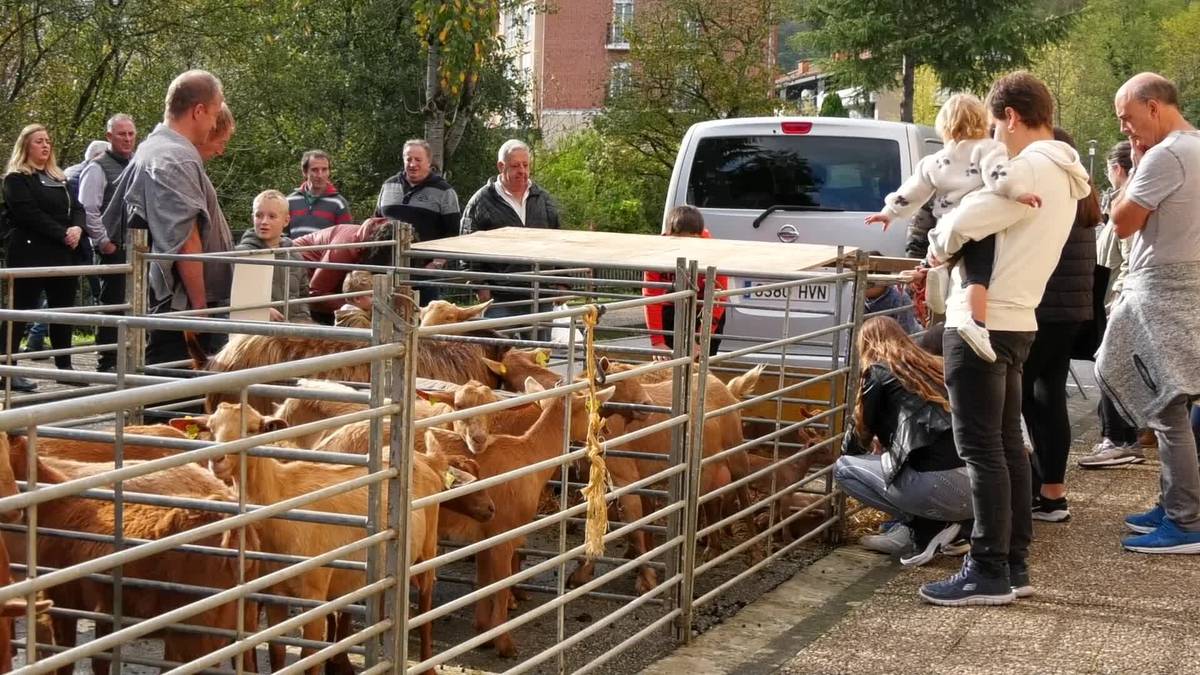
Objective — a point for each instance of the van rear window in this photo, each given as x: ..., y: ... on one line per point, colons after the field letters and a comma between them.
x: 758, y: 172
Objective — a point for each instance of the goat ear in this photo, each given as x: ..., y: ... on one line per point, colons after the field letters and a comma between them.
x: 456, y: 477
x: 171, y: 522
x: 190, y: 426
x: 273, y: 424
x: 437, y: 396
x: 604, y: 394
x: 475, y: 310
x: 532, y: 385
x: 437, y: 439
x: 495, y: 366
x: 604, y: 364
x: 465, y: 464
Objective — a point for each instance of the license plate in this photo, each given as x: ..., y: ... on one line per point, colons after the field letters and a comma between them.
x: 804, y: 295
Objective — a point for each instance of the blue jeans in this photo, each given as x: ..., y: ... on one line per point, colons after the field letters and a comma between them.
x: 944, y: 496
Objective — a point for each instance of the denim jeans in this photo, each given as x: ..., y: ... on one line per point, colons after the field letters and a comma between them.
x: 985, y: 403
x: 936, y: 495
x: 1180, y: 469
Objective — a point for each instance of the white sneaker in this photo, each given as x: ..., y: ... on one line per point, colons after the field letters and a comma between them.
x: 1107, y: 453
x: 977, y: 337
x: 937, y: 289
x: 896, y: 540
x: 920, y: 556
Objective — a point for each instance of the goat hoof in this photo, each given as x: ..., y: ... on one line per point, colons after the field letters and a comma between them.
x: 646, y: 583
x: 505, y: 647
x: 520, y: 594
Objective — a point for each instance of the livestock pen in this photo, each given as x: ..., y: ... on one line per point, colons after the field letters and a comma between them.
x: 714, y: 467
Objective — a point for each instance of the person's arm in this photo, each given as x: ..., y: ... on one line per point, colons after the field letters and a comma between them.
x: 92, y: 184
x: 1156, y: 176
x: 919, y: 226
x: 654, y: 311
x: 24, y: 212
x: 980, y: 214
x: 191, y: 272
x: 871, y: 402
x: 913, y: 194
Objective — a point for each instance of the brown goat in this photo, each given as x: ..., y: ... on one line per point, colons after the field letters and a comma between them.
x: 269, y: 481
x: 142, y: 522
x: 520, y: 496
x: 455, y: 362
x: 440, y: 312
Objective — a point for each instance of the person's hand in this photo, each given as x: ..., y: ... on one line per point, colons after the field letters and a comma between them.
x: 73, y: 235
x: 1030, y: 199
x: 436, y: 264
x: 484, y: 294
x: 1137, y: 150
x: 876, y: 446
x: 276, y: 315
x: 932, y: 260
x: 108, y: 248
x: 879, y: 218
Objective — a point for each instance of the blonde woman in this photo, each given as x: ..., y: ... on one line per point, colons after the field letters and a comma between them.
x: 47, y: 227
x: 917, y: 476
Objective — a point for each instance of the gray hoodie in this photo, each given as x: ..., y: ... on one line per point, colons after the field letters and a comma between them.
x: 296, y: 289
x: 1029, y: 241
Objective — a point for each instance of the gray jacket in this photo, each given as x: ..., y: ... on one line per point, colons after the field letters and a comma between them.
x: 281, y: 287
x: 1150, y: 355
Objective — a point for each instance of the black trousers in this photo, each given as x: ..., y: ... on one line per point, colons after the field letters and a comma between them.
x: 714, y: 344
x: 1113, y: 426
x: 1044, y: 398
x: 163, y: 346
x: 985, y: 404
x: 60, y: 292
x: 112, y: 292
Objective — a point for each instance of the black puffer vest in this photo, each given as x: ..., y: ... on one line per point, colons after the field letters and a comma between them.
x: 1068, y: 295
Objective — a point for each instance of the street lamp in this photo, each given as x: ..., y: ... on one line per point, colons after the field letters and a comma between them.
x: 1091, y: 156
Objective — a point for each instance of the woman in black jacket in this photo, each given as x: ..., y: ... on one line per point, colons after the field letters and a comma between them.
x: 47, y: 227
x: 916, y: 475
x: 1065, y: 308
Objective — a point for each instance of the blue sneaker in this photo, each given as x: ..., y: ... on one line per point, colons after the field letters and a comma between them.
x: 1168, y: 538
x: 1145, y: 523
x: 970, y: 586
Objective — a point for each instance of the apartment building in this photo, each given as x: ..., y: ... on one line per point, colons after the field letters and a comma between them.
x: 569, y: 57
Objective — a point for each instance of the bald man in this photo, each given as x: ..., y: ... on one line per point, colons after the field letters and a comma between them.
x: 1149, y: 362
x: 166, y: 190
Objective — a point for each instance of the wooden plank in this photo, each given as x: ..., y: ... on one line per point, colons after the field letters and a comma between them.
x: 601, y: 249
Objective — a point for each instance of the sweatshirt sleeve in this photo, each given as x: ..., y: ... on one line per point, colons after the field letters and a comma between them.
x: 912, y: 195
x: 1006, y: 178
x: 980, y: 214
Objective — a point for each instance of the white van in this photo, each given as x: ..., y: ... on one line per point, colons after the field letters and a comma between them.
x: 795, y: 180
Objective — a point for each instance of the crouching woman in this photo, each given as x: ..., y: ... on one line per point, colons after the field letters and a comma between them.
x: 915, y: 475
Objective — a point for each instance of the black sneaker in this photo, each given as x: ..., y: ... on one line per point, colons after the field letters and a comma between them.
x: 1051, y: 510
x: 1018, y: 578
x: 20, y: 384
x: 970, y: 586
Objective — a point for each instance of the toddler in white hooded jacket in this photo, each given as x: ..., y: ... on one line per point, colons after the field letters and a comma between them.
x: 970, y: 160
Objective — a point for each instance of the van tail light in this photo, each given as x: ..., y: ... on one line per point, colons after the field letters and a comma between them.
x: 796, y: 127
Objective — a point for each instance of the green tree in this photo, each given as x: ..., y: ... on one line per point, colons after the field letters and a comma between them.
x: 600, y: 186
x: 879, y: 44
x: 1179, y: 53
x: 831, y: 106
x: 692, y: 60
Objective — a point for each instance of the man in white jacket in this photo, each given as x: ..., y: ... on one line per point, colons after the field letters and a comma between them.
x: 985, y: 398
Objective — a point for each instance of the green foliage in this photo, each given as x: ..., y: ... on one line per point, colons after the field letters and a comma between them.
x: 1112, y: 41
x: 599, y: 186
x: 831, y: 106
x: 298, y: 74
x: 868, y: 43
x: 692, y: 60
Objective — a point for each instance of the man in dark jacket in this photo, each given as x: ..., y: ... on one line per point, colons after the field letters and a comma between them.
x: 423, y: 199
x: 510, y: 199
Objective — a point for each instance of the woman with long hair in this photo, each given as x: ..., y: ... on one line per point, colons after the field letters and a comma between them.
x: 47, y: 227
x: 915, y: 475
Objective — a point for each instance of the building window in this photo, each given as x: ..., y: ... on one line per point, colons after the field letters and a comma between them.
x: 619, y: 79
x: 622, y: 17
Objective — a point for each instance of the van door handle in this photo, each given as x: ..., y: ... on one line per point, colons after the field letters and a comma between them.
x: 788, y: 233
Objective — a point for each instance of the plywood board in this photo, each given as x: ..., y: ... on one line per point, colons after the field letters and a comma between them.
x: 251, y: 286
x: 649, y: 251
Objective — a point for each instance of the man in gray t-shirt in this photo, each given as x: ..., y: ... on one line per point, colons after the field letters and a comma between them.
x: 166, y: 191
x: 1150, y: 361
x: 1167, y: 185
